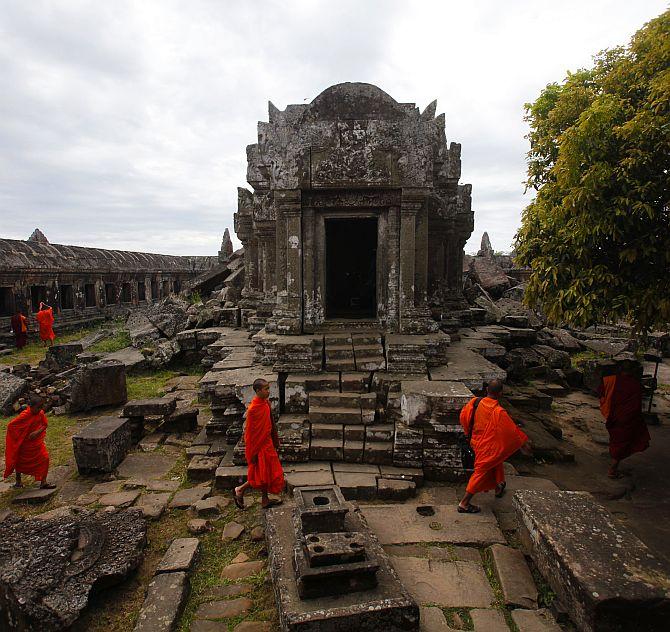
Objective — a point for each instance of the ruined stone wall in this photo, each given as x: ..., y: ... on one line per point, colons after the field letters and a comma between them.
x: 85, y: 283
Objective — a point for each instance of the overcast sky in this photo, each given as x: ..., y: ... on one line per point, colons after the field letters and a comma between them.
x: 124, y: 124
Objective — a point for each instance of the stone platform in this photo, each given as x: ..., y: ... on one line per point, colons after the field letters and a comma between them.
x: 387, y: 606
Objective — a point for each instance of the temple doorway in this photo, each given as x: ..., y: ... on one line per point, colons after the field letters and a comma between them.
x: 351, y: 268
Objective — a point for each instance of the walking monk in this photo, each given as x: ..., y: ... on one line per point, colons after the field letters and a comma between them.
x: 261, y: 442
x: 45, y: 318
x: 25, y: 451
x: 20, y: 329
x: 495, y: 437
x: 621, y: 406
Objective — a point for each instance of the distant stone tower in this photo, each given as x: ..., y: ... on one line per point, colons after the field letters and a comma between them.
x: 485, y: 250
x: 39, y: 237
x: 226, y: 247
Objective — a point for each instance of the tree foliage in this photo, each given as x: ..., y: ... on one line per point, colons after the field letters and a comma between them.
x: 597, y: 235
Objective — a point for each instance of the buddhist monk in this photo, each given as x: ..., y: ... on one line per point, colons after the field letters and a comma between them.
x: 20, y: 329
x: 25, y: 450
x: 45, y: 319
x: 495, y: 437
x: 261, y: 441
x: 621, y: 406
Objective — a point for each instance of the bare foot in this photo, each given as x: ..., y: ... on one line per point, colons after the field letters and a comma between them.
x: 47, y: 486
x: 18, y: 485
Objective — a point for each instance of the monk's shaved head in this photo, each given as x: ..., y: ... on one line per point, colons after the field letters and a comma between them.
x: 36, y: 401
x: 259, y: 384
x: 494, y: 388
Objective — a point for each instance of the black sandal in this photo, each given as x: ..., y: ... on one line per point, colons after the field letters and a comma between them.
x: 501, y: 486
x: 273, y: 502
x: 239, y: 500
x: 470, y: 509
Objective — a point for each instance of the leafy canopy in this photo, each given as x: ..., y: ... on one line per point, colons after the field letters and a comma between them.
x: 597, y: 235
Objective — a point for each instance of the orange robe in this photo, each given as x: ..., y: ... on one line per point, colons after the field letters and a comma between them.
x: 45, y: 318
x: 494, y: 439
x: 621, y: 406
x: 264, y: 469
x: 23, y: 454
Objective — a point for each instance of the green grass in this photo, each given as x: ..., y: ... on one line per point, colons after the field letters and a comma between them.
x: 498, y: 602
x: 585, y: 356
x: 120, y: 339
x: 146, y: 385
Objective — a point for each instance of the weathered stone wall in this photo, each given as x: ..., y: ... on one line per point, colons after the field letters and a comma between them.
x: 83, y: 283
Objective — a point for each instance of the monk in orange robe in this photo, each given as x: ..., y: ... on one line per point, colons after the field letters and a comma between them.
x: 495, y: 437
x: 25, y: 451
x: 621, y: 406
x: 45, y: 319
x: 20, y: 329
x: 261, y: 441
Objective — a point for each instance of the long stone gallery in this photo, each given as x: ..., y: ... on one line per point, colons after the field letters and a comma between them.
x: 352, y: 298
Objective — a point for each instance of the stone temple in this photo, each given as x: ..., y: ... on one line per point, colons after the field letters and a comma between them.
x: 356, y: 214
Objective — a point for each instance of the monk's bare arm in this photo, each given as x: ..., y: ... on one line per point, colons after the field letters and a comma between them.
x: 36, y: 433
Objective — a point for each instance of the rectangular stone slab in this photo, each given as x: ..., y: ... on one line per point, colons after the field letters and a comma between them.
x: 181, y: 556
x: 165, y: 600
x: 515, y: 579
x: 402, y: 524
x: 387, y: 607
x: 605, y: 576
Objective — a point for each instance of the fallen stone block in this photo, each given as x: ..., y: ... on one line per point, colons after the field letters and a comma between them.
x: 180, y: 556
x: 34, y: 496
x: 152, y: 506
x: 202, y: 468
x: 185, y: 498
x: 102, y: 445
x: 11, y: 388
x: 539, y: 621
x: 230, y: 476
x: 49, y: 568
x: 395, y: 489
x: 150, y: 407
x: 606, y: 578
x: 101, y: 383
x: 515, y: 579
x: 65, y: 354
x: 164, y: 603
x: 181, y: 420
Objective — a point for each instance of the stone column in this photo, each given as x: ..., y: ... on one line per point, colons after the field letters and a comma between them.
x: 393, y: 266
x: 312, y: 315
x: 289, y: 297
x: 409, y: 208
x: 421, y: 257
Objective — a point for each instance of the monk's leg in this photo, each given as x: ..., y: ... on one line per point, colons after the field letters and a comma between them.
x: 501, y: 483
x: 18, y: 480
x: 613, y: 471
x: 239, y: 491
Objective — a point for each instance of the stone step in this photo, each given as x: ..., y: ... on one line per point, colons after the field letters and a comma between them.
x: 326, y: 450
x: 378, y: 452
x: 335, y: 415
x: 355, y: 382
x: 340, y: 365
x: 379, y: 432
x: 331, y: 399
x: 327, y: 431
x: 337, y: 338
x: 371, y: 338
x: 371, y: 363
x: 339, y: 352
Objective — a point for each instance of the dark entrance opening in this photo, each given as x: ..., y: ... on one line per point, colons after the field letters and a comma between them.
x: 38, y: 294
x: 351, y: 268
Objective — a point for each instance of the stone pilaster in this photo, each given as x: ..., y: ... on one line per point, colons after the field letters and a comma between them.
x: 289, y: 297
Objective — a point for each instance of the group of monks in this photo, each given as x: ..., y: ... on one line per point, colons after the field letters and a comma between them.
x: 494, y: 437
x: 45, y: 321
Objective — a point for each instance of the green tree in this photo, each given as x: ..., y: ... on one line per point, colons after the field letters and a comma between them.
x: 597, y: 235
